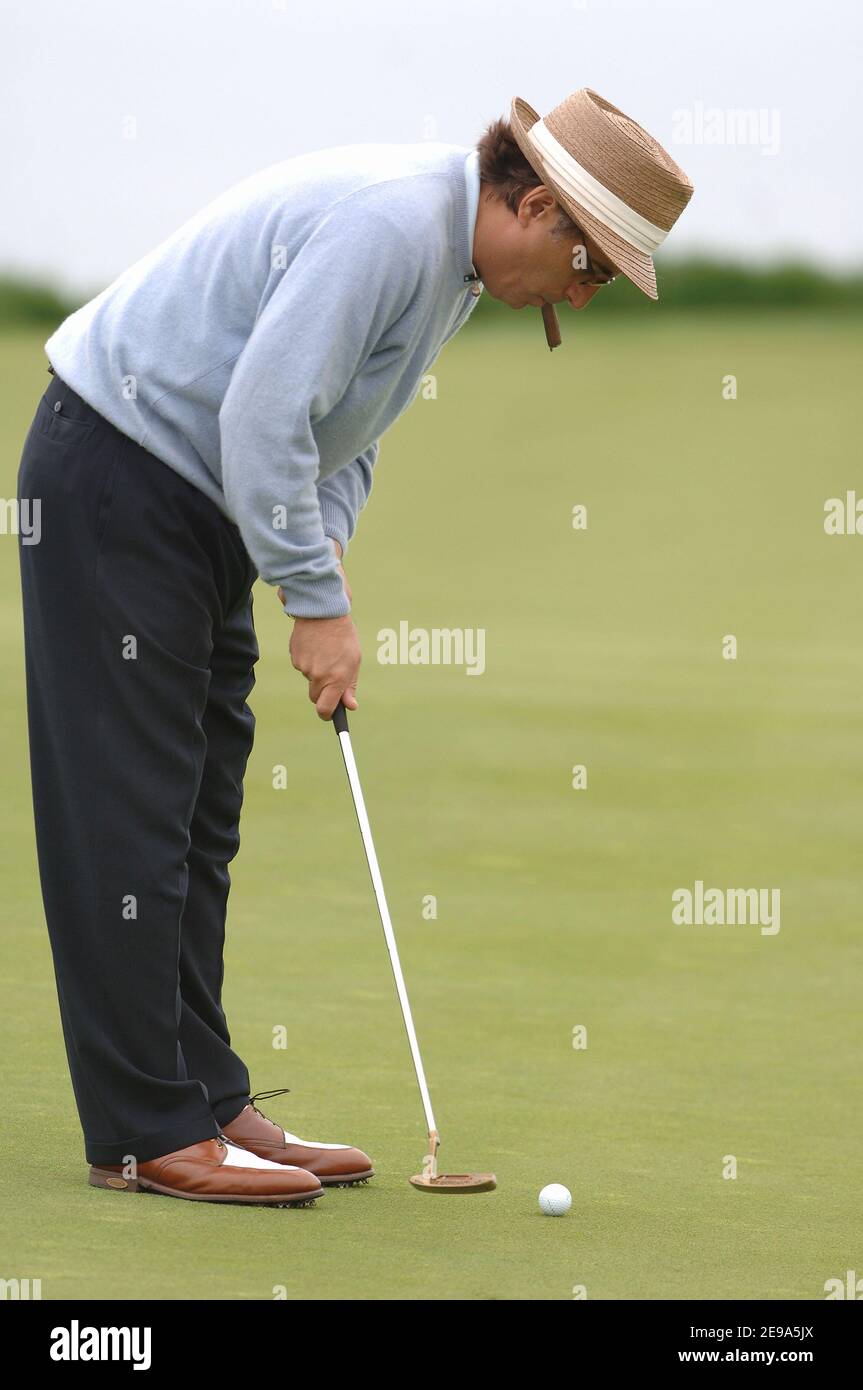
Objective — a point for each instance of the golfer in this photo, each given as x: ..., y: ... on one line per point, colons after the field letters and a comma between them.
x: 214, y: 416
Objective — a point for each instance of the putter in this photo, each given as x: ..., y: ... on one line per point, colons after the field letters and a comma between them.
x: 430, y: 1180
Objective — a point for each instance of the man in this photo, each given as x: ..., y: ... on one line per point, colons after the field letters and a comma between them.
x: 215, y: 416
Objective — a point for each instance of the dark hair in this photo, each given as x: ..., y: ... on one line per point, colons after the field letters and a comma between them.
x: 509, y: 174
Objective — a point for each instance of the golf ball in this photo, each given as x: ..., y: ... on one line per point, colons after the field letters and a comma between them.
x: 555, y: 1199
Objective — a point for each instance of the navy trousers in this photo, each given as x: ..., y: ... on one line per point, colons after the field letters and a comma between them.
x: 140, y: 651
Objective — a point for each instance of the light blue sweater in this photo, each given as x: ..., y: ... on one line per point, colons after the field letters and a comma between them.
x: 263, y: 349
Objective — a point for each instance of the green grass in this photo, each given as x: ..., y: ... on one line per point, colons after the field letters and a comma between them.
x: 603, y: 648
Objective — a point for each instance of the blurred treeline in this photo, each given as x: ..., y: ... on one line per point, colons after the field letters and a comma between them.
x: 714, y: 286
x: 702, y: 283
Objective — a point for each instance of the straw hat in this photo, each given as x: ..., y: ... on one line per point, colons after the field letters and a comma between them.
x: 612, y: 178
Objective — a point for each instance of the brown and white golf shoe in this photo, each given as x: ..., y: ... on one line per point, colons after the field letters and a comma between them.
x: 214, y: 1171
x: 334, y: 1165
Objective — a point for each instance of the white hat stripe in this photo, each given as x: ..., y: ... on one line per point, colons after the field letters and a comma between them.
x: 597, y: 199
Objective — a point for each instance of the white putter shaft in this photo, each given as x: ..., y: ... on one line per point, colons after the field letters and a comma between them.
x: 386, y: 923
x: 429, y: 1180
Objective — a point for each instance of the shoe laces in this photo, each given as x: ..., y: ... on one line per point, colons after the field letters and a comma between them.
x: 268, y: 1095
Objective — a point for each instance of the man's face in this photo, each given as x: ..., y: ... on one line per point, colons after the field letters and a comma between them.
x: 520, y: 262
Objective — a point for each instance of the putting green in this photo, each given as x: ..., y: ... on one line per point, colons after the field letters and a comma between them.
x: 603, y: 648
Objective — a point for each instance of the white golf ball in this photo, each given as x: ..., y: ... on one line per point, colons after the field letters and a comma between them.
x: 555, y: 1199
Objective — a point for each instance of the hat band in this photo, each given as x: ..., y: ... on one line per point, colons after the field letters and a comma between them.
x: 597, y: 199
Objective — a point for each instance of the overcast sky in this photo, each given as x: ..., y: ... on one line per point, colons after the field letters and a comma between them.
x: 121, y: 117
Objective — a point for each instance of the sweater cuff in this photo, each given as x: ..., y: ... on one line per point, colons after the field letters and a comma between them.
x: 315, y: 598
x: 334, y: 523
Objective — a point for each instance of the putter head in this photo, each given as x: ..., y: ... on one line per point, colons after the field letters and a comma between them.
x: 455, y: 1182
x: 429, y: 1180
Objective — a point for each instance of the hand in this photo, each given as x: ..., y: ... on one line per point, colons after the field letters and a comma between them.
x: 329, y: 656
x: 327, y: 651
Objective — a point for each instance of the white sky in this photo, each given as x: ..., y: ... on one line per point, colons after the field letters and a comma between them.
x: 219, y: 88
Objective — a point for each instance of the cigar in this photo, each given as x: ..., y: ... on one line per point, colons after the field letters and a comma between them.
x: 552, y: 327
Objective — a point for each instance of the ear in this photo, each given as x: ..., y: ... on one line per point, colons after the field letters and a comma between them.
x: 536, y: 203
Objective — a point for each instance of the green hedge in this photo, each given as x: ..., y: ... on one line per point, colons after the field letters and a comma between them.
x: 713, y: 286
x: 25, y: 301
x: 700, y: 283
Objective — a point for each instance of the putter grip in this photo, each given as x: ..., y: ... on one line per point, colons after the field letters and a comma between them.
x: 340, y: 718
